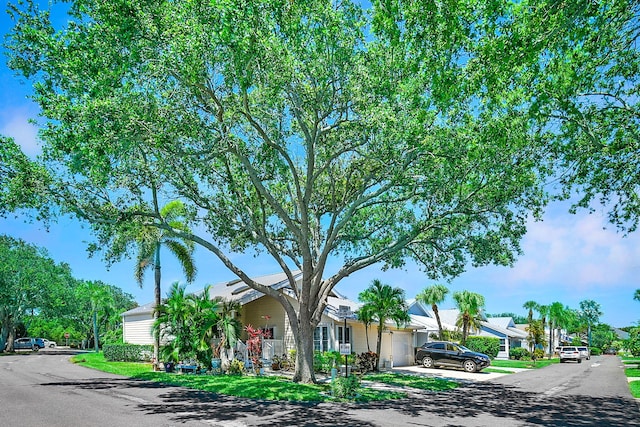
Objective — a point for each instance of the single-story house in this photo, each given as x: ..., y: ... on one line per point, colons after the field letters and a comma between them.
x: 505, y: 329
x: 262, y: 311
x: 502, y: 328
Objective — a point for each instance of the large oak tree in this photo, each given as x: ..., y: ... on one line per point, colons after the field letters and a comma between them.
x: 304, y: 130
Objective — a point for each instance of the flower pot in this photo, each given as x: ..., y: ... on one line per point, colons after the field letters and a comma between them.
x: 216, y: 363
x: 168, y: 367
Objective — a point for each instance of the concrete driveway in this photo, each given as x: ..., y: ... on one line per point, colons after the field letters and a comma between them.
x: 454, y: 374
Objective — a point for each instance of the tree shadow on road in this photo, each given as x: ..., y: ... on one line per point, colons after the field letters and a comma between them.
x: 457, y: 407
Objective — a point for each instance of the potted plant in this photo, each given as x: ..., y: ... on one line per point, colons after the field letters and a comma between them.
x: 254, y: 346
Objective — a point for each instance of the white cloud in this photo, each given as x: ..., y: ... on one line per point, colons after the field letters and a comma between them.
x: 576, y: 252
x: 16, y: 124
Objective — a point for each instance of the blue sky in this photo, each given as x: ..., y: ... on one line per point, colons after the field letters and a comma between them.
x: 567, y: 258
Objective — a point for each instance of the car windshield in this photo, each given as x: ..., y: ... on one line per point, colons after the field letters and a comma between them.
x: 463, y: 348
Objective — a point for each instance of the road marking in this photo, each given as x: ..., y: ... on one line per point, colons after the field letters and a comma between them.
x: 595, y: 365
x: 554, y: 390
x: 131, y: 398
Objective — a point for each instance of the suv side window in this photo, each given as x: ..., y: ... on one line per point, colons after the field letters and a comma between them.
x: 438, y: 346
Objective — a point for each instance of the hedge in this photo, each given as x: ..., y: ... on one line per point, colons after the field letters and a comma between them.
x: 127, y: 352
x: 487, y: 345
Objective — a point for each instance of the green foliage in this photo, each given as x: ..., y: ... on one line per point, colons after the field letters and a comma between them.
x: 470, y: 305
x: 596, y: 351
x: 632, y: 344
x: 602, y: 336
x: 46, y: 298
x: 127, y: 352
x: 377, y: 135
x: 538, y: 353
x: 518, y: 353
x: 325, y: 360
x: 487, y: 345
x: 383, y: 302
x: 236, y: 367
x: 345, y: 388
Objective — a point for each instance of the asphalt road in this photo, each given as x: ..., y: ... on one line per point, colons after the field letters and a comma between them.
x: 45, y: 389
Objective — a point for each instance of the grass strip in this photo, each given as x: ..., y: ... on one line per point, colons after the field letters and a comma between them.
x: 527, y: 364
x: 632, y: 372
x: 497, y: 371
x: 414, y: 381
x: 634, y: 387
x: 268, y: 387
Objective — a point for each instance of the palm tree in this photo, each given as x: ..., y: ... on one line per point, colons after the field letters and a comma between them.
x: 228, y: 328
x: 530, y: 305
x: 636, y: 295
x: 543, y: 311
x: 173, y: 321
x: 470, y: 305
x: 536, y: 334
x: 151, y: 239
x: 591, y: 313
x: 434, y: 295
x: 558, y: 317
x: 384, y: 303
x: 365, y: 315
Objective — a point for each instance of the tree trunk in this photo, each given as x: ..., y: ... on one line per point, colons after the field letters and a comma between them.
x: 304, y: 349
x: 435, y: 312
x: 379, y: 345
x: 158, y: 298
x: 95, y: 331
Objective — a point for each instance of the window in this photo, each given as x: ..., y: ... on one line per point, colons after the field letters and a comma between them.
x: 270, y: 331
x: 321, y: 338
x: 438, y: 346
x: 503, y: 346
x: 341, y: 336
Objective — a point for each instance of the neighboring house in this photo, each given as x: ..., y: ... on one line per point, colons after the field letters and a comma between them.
x: 505, y: 329
x: 262, y: 311
x: 502, y: 328
x: 423, y: 315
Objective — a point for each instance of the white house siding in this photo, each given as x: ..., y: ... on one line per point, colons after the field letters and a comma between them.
x: 137, y: 329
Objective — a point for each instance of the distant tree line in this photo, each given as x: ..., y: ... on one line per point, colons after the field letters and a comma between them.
x: 41, y: 298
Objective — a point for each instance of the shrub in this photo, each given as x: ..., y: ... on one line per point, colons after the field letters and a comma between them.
x: 487, y: 345
x: 538, y: 353
x: 519, y: 353
x: 127, y: 352
x: 345, y: 388
x: 633, y: 343
x: 595, y: 351
x: 324, y: 361
x: 236, y: 367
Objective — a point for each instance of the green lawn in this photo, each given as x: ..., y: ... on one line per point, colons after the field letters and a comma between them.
x: 498, y: 371
x: 268, y: 387
x: 632, y: 372
x: 634, y: 386
x: 528, y: 364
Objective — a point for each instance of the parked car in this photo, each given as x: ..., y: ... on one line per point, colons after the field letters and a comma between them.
x: 26, y: 344
x: 570, y: 353
x: 585, y: 352
x: 445, y: 353
x: 40, y: 342
x: 47, y: 343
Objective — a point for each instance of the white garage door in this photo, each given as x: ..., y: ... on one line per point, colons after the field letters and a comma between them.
x: 402, y: 349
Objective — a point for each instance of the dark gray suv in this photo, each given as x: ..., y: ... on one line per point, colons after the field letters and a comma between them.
x: 26, y: 344
x: 445, y: 353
